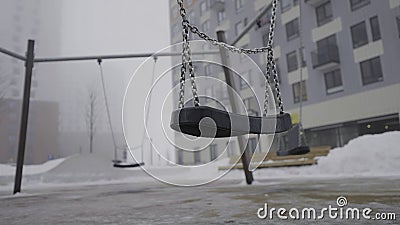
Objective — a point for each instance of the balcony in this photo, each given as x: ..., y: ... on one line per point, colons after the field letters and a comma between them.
x: 315, y: 3
x: 325, y: 58
x: 218, y: 5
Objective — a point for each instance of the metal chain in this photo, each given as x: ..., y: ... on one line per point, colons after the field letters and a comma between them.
x: 186, y: 56
x: 231, y: 48
x: 271, y: 66
x: 186, y: 61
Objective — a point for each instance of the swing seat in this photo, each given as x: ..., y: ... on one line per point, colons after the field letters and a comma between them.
x: 189, y: 120
x: 127, y: 165
x: 300, y: 150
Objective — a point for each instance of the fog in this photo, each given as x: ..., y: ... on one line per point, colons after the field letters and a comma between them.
x: 81, y: 28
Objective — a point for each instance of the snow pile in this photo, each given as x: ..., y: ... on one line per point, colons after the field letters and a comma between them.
x: 9, y: 170
x: 369, y: 155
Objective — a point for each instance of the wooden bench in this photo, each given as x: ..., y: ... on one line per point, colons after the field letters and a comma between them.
x: 272, y: 160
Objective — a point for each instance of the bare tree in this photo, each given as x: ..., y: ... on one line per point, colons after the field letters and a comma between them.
x: 92, y: 114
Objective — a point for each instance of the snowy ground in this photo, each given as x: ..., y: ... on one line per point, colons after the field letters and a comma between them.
x: 84, y: 189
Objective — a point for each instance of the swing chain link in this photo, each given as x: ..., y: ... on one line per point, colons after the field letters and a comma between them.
x: 186, y: 57
x: 231, y: 48
x: 186, y: 61
x: 271, y: 66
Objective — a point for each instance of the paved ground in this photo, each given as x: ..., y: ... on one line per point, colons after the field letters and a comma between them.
x: 222, y: 202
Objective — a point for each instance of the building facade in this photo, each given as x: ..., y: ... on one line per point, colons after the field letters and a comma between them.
x: 42, y: 135
x: 22, y: 20
x: 342, y: 54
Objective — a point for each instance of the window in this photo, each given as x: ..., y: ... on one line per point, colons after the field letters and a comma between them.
x: 292, y: 29
x: 203, y: 7
x: 326, y: 42
x: 221, y: 16
x: 251, y: 146
x: 239, y: 5
x: 223, y: 91
x: 251, y: 106
x: 238, y: 27
x: 376, y: 33
x: 207, y: 70
x: 265, y: 38
x: 324, y: 13
x: 180, y: 157
x: 231, y: 148
x: 371, y: 71
x: 291, y: 59
x: 213, y: 152
x: 278, y: 69
x: 209, y: 93
x: 356, y: 4
x: 242, y: 82
x: 285, y: 5
x: 243, y: 56
x: 359, y: 35
x: 333, y: 81
x: 296, y: 91
x: 302, y: 57
x: 398, y: 24
x: 197, y: 159
x: 206, y: 26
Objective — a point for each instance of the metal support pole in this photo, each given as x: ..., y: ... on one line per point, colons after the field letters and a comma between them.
x: 251, y: 24
x: 121, y: 56
x: 229, y: 80
x: 24, y: 115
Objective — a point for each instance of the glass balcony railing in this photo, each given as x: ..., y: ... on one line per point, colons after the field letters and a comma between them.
x: 218, y: 5
x: 325, y: 56
x: 314, y: 2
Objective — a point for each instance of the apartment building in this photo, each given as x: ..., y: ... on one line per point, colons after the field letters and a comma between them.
x: 342, y: 54
x: 42, y: 134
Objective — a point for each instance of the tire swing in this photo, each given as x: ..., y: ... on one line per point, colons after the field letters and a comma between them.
x: 189, y: 120
x: 116, y: 162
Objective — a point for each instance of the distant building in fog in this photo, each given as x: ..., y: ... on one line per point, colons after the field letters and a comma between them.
x: 42, y: 141
x: 21, y: 20
x: 29, y: 19
x: 350, y: 69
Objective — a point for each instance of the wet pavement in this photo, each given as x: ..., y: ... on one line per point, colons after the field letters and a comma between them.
x: 221, y: 202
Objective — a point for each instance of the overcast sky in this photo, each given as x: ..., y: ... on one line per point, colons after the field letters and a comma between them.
x: 115, y: 27
x: 118, y: 26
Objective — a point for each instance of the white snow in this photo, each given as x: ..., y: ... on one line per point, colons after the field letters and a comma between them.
x: 369, y: 156
x: 9, y: 170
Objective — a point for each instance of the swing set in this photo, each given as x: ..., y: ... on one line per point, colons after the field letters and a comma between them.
x: 190, y: 120
x: 185, y: 119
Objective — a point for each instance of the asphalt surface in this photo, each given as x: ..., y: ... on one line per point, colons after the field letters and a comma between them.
x: 221, y: 202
